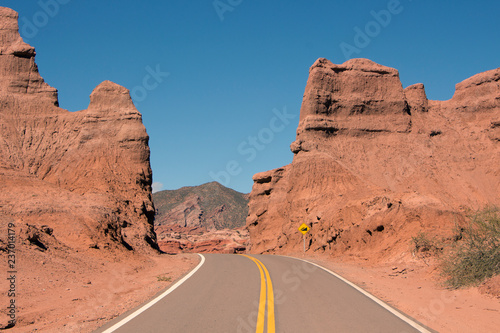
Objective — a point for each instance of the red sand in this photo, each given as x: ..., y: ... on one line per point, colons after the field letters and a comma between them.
x: 82, y: 293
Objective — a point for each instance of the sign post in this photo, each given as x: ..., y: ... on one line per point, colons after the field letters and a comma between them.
x: 304, y: 228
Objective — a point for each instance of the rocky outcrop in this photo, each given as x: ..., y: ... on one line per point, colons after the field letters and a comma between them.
x: 417, y: 99
x: 173, y: 239
x: 374, y: 164
x: 85, y: 175
x: 358, y: 96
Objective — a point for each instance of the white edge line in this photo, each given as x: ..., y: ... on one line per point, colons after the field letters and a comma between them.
x: 156, y: 300
x: 373, y: 298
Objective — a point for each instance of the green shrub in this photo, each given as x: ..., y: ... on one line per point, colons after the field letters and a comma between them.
x: 476, y: 254
x: 425, y: 246
x: 164, y: 278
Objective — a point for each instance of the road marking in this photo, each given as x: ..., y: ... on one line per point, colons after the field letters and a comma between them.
x: 264, y: 277
x: 156, y: 300
x: 262, y: 300
x: 270, y: 301
x: 386, y: 306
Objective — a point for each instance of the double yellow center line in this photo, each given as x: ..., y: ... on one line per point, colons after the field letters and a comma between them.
x: 264, y: 277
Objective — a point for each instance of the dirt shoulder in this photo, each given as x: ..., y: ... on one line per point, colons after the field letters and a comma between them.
x: 81, y: 292
x: 414, y: 288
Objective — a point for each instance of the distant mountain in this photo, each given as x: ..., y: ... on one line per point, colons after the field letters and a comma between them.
x: 211, y: 206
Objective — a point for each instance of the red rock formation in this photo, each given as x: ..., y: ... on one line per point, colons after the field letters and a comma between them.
x: 84, y: 175
x: 173, y: 239
x: 375, y: 164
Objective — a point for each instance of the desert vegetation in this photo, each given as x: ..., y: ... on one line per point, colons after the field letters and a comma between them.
x: 471, y: 255
x: 475, y: 254
x: 425, y: 246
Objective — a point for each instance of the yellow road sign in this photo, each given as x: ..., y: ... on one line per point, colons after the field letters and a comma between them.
x: 304, y: 228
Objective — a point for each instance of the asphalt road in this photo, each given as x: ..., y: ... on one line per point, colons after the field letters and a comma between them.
x: 237, y: 293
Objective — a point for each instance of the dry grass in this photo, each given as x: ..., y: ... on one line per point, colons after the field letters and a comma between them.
x: 475, y: 256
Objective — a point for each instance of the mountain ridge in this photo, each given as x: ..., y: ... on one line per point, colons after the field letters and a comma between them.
x: 210, y: 205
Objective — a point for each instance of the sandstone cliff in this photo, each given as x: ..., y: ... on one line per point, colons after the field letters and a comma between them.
x: 70, y: 179
x: 374, y: 164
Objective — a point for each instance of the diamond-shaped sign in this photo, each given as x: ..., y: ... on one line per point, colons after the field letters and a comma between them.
x: 304, y: 228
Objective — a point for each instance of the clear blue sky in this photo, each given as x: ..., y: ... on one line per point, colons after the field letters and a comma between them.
x: 230, y: 67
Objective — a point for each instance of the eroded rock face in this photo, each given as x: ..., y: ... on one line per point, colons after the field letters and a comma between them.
x: 173, y: 239
x: 83, y: 175
x: 375, y: 164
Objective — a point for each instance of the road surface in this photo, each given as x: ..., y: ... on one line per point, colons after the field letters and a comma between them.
x: 260, y: 293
